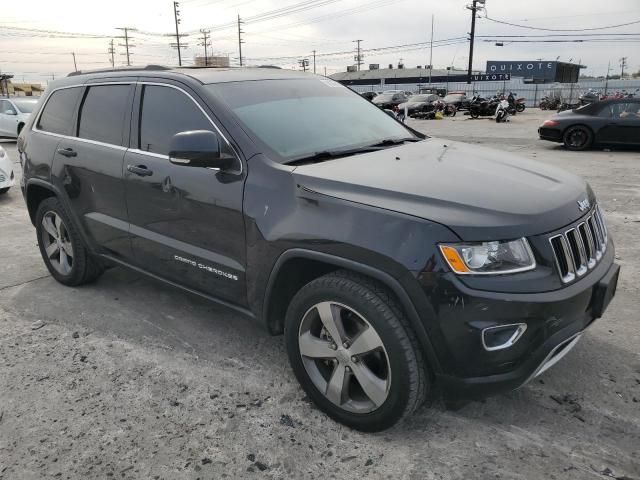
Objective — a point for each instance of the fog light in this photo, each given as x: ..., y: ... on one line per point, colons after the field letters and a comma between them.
x: 502, y: 336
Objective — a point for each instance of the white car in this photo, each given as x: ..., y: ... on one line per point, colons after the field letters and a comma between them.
x: 14, y: 113
x: 6, y: 172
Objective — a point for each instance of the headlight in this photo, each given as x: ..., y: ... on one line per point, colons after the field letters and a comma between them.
x: 486, y: 258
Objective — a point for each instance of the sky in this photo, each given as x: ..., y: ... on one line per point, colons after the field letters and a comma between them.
x: 34, y: 48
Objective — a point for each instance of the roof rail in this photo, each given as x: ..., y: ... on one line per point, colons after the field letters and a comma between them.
x: 122, y: 69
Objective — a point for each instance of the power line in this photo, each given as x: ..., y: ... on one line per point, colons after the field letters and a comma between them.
x: 560, y: 29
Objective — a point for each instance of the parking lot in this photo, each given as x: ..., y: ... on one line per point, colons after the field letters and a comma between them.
x: 129, y: 378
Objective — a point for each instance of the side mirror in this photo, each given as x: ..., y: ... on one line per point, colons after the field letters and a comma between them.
x: 10, y: 112
x: 198, y: 148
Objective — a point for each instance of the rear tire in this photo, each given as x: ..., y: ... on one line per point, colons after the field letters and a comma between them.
x: 61, y: 246
x: 577, y: 138
x: 474, y: 114
x: 372, y: 375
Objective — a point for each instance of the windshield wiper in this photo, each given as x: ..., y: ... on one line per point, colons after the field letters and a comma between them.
x: 395, y: 141
x: 333, y: 154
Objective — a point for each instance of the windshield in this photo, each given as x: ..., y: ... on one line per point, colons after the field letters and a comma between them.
x: 422, y: 98
x: 25, y: 105
x: 453, y: 98
x: 298, y: 118
x: 385, y: 97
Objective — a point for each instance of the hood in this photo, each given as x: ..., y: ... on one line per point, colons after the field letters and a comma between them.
x: 479, y: 193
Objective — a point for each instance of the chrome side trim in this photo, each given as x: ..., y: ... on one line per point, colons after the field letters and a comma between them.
x: 557, y: 354
x: 134, y: 150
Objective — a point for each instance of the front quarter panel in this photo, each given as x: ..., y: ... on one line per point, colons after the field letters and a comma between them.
x: 281, y: 214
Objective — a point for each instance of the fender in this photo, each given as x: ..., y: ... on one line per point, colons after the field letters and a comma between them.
x: 60, y: 196
x: 383, y: 277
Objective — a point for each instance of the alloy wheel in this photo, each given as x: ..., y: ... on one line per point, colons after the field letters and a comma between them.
x: 344, y: 357
x: 577, y: 138
x: 57, y: 243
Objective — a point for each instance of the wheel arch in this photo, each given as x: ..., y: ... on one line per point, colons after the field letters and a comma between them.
x: 36, y: 192
x: 583, y: 125
x: 280, y: 289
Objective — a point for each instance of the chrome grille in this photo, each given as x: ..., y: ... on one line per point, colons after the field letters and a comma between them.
x: 580, y: 248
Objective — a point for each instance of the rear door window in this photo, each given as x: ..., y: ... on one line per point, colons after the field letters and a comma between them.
x: 166, y: 111
x: 58, y: 113
x: 105, y: 113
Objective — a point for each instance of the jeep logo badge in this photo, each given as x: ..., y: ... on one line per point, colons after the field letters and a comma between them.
x: 584, y: 204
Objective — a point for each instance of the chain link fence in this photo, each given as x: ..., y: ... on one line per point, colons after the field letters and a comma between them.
x: 532, y: 93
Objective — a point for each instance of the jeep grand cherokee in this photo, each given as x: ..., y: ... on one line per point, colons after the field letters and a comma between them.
x: 392, y: 262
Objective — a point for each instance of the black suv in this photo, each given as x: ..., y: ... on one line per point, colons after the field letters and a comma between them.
x: 393, y: 263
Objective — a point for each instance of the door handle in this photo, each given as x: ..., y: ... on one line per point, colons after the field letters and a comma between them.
x: 67, y: 152
x: 140, y: 170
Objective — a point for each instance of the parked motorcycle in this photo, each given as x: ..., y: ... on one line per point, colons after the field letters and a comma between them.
x: 502, y: 111
x: 549, y: 103
x: 520, y: 106
x: 480, y: 107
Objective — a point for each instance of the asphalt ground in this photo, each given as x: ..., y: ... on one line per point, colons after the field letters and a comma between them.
x: 129, y: 378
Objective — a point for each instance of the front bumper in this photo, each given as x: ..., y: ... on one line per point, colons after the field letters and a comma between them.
x: 550, y: 134
x: 556, y: 321
x: 7, y: 179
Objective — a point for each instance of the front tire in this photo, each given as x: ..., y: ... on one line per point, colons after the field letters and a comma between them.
x: 4, y: 190
x: 577, y: 138
x: 353, y: 352
x: 62, y: 248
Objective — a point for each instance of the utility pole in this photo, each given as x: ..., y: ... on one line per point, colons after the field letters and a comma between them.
x: 205, y: 43
x: 606, y: 82
x: 314, y: 61
x: 474, y: 8
x: 112, y: 52
x: 431, y: 52
x: 176, y: 16
x: 623, y: 64
x: 358, y: 57
x: 240, y: 41
x: 126, y: 45
x: 75, y: 66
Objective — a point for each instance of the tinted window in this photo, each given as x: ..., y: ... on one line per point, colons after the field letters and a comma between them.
x: 165, y: 112
x: 627, y: 111
x: 297, y: 118
x: 25, y: 105
x: 58, y: 113
x: 104, y: 112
